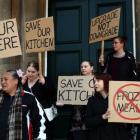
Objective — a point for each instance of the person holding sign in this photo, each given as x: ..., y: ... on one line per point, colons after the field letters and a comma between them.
x: 41, y: 88
x: 120, y: 64
x: 17, y: 107
x: 98, y: 114
x: 78, y: 131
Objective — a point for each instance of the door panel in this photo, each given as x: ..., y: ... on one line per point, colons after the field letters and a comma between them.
x: 72, y: 22
x: 71, y: 36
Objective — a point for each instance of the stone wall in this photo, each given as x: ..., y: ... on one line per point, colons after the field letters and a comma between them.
x: 22, y: 10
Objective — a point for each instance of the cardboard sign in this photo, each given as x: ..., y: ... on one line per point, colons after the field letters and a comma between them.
x: 9, y: 39
x: 124, y: 101
x: 75, y: 90
x: 39, y: 35
x: 105, y: 26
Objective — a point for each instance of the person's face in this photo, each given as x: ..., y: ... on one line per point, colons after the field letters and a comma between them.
x: 32, y: 73
x: 117, y: 45
x: 8, y: 83
x: 86, y: 69
x: 99, y: 85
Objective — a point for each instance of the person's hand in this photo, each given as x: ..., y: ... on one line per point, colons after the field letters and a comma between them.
x: 106, y: 115
x: 58, y: 103
x: 101, y: 60
x: 24, y: 78
x: 41, y: 79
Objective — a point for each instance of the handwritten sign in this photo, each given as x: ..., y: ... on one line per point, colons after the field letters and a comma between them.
x: 9, y: 39
x: 39, y: 35
x: 124, y: 101
x: 105, y: 26
x: 75, y: 90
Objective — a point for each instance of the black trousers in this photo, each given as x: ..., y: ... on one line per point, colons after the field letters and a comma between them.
x: 78, y: 135
x: 50, y: 130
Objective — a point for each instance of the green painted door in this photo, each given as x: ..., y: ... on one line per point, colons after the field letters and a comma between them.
x: 72, y: 22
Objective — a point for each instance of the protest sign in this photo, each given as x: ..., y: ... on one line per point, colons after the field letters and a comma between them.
x: 39, y: 35
x: 75, y: 90
x: 9, y: 39
x: 124, y: 101
x: 105, y: 26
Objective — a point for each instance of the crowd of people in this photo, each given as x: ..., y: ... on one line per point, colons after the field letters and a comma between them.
x: 25, y: 100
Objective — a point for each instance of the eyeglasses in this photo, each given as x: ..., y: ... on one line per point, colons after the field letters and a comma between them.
x: 115, y: 42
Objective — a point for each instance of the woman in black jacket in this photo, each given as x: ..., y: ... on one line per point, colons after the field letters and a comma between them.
x: 98, y: 113
x: 39, y: 86
x: 17, y: 109
x: 120, y: 64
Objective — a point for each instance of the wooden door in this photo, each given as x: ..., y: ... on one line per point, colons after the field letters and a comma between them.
x: 72, y: 22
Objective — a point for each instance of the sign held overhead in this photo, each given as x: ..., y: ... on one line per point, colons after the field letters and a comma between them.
x: 9, y: 39
x: 39, y: 35
x: 105, y: 26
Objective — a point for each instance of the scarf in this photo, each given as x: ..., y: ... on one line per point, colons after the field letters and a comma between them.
x: 15, y: 117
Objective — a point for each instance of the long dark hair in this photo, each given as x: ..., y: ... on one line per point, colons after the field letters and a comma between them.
x: 106, y: 78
